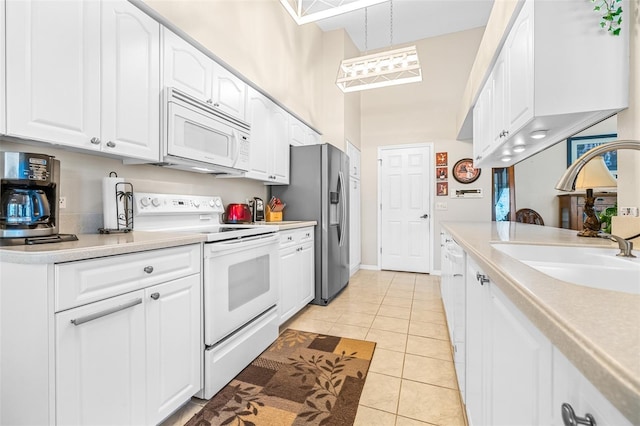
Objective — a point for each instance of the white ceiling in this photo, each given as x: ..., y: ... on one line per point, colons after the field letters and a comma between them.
x: 412, y: 20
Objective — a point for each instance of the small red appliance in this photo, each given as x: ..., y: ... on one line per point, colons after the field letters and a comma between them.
x: 237, y: 213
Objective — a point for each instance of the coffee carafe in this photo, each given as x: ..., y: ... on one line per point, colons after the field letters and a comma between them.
x: 29, y: 194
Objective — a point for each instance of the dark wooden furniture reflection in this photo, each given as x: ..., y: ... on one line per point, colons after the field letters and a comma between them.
x: 571, y: 207
x: 529, y: 216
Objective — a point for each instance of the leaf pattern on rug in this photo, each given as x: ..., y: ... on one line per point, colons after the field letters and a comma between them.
x: 292, y: 338
x: 247, y: 401
x: 325, y: 381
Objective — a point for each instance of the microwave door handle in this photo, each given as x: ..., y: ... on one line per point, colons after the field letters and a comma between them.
x: 235, y: 146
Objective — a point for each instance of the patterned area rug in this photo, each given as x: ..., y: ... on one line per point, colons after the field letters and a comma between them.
x: 301, y: 379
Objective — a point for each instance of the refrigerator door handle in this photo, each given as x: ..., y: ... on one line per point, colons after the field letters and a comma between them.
x: 343, y: 202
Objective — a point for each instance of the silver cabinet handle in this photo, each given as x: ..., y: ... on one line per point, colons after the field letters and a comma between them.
x: 217, y: 105
x: 95, y: 141
x: 155, y: 296
x: 569, y: 417
x: 82, y: 320
x: 148, y: 269
x: 482, y: 278
x: 111, y: 144
x: 209, y: 101
x: 424, y: 216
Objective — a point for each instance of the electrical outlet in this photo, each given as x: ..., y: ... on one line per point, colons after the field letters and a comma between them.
x: 62, y: 202
x: 628, y: 211
x: 441, y: 206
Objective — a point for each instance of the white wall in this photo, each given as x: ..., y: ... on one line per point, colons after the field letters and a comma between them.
x: 420, y: 113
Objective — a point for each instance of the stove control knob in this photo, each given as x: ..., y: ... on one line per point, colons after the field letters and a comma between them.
x: 218, y: 202
x: 144, y: 202
x: 155, y: 202
x: 212, y: 203
x: 196, y: 203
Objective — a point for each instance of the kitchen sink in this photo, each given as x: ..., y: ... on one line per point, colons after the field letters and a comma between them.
x: 588, y: 266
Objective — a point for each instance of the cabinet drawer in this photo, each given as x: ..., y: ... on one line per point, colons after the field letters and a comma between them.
x: 287, y: 238
x: 305, y: 235
x: 78, y: 283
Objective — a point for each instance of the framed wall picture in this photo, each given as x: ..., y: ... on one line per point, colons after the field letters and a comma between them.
x: 578, y: 145
x: 464, y: 172
x: 441, y: 159
x: 442, y: 189
x: 442, y: 173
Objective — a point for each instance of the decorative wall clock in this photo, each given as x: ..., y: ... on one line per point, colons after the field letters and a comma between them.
x: 464, y: 172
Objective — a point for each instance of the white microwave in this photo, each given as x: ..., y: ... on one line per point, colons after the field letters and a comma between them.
x: 199, y: 137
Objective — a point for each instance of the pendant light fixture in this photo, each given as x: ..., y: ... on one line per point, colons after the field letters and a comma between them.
x: 387, y: 68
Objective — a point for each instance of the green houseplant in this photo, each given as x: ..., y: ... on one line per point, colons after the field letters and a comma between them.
x: 612, y: 17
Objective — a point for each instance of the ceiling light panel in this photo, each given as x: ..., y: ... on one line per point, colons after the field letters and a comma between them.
x: 305, y: 11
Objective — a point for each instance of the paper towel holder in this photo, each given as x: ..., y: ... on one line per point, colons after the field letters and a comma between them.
x: 123, y: 199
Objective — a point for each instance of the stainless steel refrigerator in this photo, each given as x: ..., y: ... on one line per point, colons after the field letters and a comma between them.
x: 319, y: 190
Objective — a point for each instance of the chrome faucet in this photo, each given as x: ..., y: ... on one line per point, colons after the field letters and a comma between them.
x: 568, y: 180
x: 626, y: 247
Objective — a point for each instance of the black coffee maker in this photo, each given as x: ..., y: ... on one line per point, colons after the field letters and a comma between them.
x: 29, y: 194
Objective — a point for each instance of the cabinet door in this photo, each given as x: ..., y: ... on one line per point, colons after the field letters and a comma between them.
x: 297, y: 132
x: 279, y: 151
x: 3, y: 117
x: 289, y: 282
x: 571, y: 387
x: 518, y: 366
x: 174, y: 345
x: 130, y: 82
x: 354, y: 225
x: 260, y: 119
x: 308, y: 274
x: 185, y: 67
x: 519, y: 47
x: 312, y: 138
x: 100, y: 362
x: 229, y: 93
x: 53, y: 71
x: 499, y: 127
x: 483, y: 123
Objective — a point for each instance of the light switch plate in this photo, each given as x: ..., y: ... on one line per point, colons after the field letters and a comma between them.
x: 628, y: 211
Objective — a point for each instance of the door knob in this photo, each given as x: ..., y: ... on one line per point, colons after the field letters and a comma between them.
x: 424, y: 216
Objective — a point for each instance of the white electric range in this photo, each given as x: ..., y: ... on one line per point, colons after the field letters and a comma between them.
x: 240, y: 274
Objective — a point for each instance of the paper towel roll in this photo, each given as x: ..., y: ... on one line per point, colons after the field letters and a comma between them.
x: 110, y: 202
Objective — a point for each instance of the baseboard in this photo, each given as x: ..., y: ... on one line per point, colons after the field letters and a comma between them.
x: 370, y: 267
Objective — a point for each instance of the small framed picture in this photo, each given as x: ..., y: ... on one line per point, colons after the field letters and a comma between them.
x: 442, y: 173
x: 442, y: 189
x: 441, y: 159
x: 464, y: 172
x: 578, y: 145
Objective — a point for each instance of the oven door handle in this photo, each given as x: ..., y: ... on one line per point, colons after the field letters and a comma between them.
x: 241, y: 243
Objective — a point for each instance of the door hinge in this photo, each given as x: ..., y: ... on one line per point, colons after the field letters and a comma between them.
x: 380, y: 250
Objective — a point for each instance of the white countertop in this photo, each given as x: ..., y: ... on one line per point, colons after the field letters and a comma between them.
x: 598, y: 330
x: 289, y: 224
x: 96, y: 245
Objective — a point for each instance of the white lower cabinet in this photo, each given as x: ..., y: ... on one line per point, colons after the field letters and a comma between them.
x: 572, y: 388
x: 297, y: 271
x: 112, y: 340
x: 508, y: 360
x: 513, y: 374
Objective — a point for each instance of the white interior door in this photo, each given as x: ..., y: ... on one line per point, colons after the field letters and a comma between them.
x: 405, y: 201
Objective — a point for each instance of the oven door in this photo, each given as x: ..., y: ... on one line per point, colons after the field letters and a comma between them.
x: 240, y: 283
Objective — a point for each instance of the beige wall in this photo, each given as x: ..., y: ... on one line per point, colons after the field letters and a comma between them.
x: 258, y: 39
x: 422, y: 112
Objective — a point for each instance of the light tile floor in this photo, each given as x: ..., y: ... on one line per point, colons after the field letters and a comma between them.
x: 411, y: 380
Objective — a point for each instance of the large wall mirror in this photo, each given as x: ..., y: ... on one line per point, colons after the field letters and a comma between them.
x: 531, y: 183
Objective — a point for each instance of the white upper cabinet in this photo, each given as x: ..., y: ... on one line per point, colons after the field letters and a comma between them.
x: 194, y: 73
x: 301, y: 134
x: 85, y: 75
x: 354, y: 160
x: 229, y: 92
x: 53, y: 71
x: 3, y: 117
x: 557, y: 72
x: 130, y: 111
x: 269, y: 140
x: 185, y: 67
